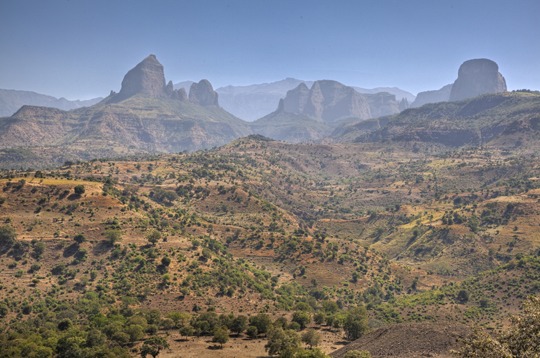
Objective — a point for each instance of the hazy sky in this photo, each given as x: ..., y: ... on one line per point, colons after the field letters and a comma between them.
x: 82, y: 49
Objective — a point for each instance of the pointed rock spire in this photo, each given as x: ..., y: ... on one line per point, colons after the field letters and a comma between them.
x: 147, y: 78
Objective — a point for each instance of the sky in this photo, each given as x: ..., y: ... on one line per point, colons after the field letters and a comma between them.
x: 81, y: 49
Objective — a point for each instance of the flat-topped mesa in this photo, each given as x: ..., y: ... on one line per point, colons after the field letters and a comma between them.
x: 203, y: 94
x: 477, y: 77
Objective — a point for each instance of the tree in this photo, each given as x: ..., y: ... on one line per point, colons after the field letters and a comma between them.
x: 3, y: 310
x: 303, y: 318
x: 180, y: 319
x: 319, y: 318
x: 310, y: 353
x: 165, y: 261
x: 153, y: 346
x: 221, y: 336
x: 311, y: 337
x: 79, y: 238
x: 463, y: 296
x: 239, y: 324
x: 282, y: 343
x: 79, y: 190
x: 355, y: 324
x: 153, y: 237
x: 186, y: 330
x: 521, y: 340
x: 39, y: 249
x: 262, y: 321
x: 113, y: 236
x: 205, y: 323
x: 482, y: 345
x: 8, y: 236
x: 252, y: 332
x: 524, y: 338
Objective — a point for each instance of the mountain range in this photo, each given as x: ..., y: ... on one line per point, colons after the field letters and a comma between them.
x: 399, y: 227
x: 149, y: 116
x: 146, y: 116
x: 256, y: 101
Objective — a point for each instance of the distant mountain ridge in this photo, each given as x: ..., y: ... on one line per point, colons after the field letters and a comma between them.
x: 251, y: 102
x: 146, y: 116
x: 12, y: 100
x: 312, y: 113
x: 149, y: 116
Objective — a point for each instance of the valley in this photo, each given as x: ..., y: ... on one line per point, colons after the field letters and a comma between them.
x: 293, y: 232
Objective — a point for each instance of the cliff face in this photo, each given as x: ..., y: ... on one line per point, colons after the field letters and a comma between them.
x: 326, y: 101
x: 202, y: 93
x: 147, y: 78
x: 384, y: 104
x: 441, y: 95
x: 296, y: 99
x: 477, y: 77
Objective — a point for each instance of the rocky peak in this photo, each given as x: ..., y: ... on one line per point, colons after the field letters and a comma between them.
x: 202, y: 93
x: 326, y: 101
x: 296, y: 99
x: 477, y: 77
x: 147, y: 79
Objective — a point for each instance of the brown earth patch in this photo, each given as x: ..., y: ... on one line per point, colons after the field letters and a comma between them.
x: 409, y: 340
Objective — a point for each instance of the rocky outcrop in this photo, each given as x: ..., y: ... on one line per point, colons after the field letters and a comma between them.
x: 477, y: 77
x: 147, y: 79
x: 296, y: 99
x: 255, y: 101
x: 311, y: 114
x: 385, y: 104
x: 436, y: 96
x: 326, y: 101
x: 203, y: 94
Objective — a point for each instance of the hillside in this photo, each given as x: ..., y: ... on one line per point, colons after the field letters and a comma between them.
x: 498, y: 120
x: 260, y: 226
